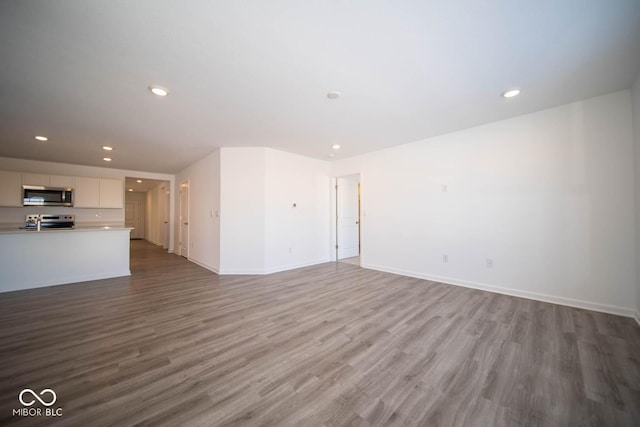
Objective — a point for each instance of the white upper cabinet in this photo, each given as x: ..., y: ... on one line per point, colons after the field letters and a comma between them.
x: 103, y: 193
x: 61, y: 181
x: 10, y: 189
x: 47, y: 180
x: 35, y: 179
x: 111, y: 193
x: 96, y: 193
x: 86, y: 193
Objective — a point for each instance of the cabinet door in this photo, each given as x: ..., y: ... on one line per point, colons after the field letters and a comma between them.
x: 61, y: 181
x: 10, y: 189
x: 35, y: 179
x: 111, y: 193
x: 86, y: 192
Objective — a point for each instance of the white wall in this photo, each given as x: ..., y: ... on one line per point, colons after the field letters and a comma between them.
x: 548, y: 196
x: 204, y: 206
x: 15, y: 216
x: 242, y: 210
x: 635, y: 99
x: 295, y: 236
x: 241, y: 216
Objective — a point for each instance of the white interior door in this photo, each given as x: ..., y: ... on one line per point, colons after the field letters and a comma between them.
x: 347, y: 217
x: 132, y: 218
x: 184, y: 219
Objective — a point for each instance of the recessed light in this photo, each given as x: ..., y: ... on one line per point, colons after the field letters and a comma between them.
x: 106, y: 159
x: 334, y: 94
x: 336, y: 146
x: 42, y: 138
x: 331, y: 155
x: 158, y: 90
x: 510, y: 93
x: 131, y: 189
x: 138, y: 180
x: 107, y: 148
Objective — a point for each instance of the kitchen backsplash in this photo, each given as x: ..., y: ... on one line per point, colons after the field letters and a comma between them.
x: 14, y: 217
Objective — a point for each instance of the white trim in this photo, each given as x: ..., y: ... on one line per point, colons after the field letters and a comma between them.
x: 256, y: 271
x: 187, y: 181
x: 637, y: 317
x: 294, y: 266
x: 588, y: 305
x: 64, y: 281
x: 242, y: 272
x: 204, y: 265
x: 154, y: 243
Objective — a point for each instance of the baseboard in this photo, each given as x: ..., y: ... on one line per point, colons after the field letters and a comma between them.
x: 161, y: 244
x: 257, y: 271
x: 637, y: 317
x: 64, y: 281
x: 204, y: 265
x: 241, y: 272
x: 588, y: 305
x: 294, y: 266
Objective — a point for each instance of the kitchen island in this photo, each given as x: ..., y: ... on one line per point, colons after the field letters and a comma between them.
x: 34, y: 259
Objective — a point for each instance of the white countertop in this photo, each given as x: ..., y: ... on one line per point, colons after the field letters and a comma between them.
x: 16, y: 230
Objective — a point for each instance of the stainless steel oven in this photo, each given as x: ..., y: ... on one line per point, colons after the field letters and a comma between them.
x: 49, y: 222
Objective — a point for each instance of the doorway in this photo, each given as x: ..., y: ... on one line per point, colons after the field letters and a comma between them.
x: 134, y: 215
x: 348, y: 219
x: 146, y: 208
x: 184, y: 219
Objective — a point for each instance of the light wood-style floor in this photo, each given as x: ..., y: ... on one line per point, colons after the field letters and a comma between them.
x: 353, y: 261
x: 332, y: 344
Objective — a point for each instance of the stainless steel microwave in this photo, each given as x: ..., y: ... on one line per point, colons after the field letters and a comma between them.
x: 37, y: 195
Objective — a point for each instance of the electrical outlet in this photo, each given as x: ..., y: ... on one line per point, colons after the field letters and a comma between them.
x: 445, y: 258
x: 444, y: 188
x: 290, y: 249
x: 489, y: 263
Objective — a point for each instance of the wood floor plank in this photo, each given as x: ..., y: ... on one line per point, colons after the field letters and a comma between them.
x: 327, y: 345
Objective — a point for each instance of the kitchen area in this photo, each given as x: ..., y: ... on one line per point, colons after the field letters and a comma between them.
x: 57, y: 229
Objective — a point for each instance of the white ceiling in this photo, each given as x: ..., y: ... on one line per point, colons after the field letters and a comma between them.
x: 256, y: 73
x: 141, y: 187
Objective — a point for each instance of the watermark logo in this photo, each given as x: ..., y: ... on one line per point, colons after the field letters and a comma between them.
x: 36, y: 397
x: 46, y: 398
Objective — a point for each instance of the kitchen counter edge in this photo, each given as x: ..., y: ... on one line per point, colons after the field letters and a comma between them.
x: 14, y: 230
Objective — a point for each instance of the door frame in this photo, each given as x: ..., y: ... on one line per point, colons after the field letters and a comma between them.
x: 184, y: 186
x: 167, y: 218
x: 333, y: 250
